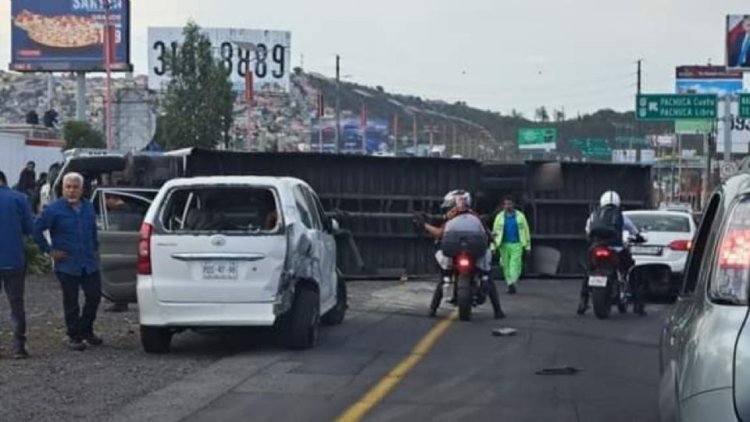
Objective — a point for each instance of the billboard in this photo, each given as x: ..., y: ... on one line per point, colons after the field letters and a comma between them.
x: 67, y: 35
x: 270, y: 62
x: 705, y: 80
x: 537, y: 139
x: 377, y: 136
x: 738, y: 42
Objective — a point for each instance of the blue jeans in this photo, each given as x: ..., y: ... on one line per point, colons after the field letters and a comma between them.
x: 14, y: 284
x: 80, y: 324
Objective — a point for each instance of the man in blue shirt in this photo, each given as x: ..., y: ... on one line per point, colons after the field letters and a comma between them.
x: 15, y: 222
x: 71, y: 222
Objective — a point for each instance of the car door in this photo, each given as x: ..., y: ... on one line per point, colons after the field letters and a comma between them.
x: 118, y: 243
x: 314, y: 225
x: 742, y: 371
x: 685, y: 313
x: 327, y: 243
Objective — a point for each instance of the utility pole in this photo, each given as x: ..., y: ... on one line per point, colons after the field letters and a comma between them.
x: 728, y: 129
x: 639, y: 76
x: 338, y: 104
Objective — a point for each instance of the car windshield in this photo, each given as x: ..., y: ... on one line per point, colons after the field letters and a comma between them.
x: 660, y: 223
x: 221, y: 209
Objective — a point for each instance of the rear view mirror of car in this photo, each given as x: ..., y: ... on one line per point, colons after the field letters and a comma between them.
x: 335, y: 225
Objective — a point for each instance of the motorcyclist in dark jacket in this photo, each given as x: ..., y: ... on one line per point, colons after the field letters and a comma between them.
x: 622, y: 226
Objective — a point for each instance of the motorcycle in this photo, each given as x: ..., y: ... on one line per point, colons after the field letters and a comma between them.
x: 607, y: 286
x: 462, y: 278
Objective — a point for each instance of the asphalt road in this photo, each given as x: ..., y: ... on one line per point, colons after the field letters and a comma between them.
x: 468, y: 374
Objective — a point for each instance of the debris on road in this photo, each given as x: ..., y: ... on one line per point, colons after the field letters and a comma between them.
x: 504, y: 332
x: 562, y: 370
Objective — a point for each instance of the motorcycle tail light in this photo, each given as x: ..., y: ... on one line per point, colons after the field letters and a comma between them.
x: 602, y: 253
x: 463, y: 263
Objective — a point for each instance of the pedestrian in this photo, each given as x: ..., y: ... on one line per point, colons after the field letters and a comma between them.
x: 27, y: 179
x: 71, y: 222
x: 15, y: 222
x: 512, y: 239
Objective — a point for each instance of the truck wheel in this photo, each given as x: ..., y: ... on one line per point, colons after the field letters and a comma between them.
x: 156, y: 340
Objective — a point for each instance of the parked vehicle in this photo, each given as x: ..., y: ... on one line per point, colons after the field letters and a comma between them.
x: 660, y: 262
x: 705, y: 344
x: 237, y: 251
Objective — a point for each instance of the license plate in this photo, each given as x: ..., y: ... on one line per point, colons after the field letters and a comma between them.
x: 219, y: 270
x: 645, y: 250
x: 598, y: 281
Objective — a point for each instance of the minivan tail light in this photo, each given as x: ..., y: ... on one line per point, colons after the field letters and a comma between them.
x: 144, y: 250
x: 681, y: 245
x: 734, y: 252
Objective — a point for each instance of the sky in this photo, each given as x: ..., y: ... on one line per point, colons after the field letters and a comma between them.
x: 576, y: 55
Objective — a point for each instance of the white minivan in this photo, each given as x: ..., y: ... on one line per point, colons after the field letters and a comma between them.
x: 237, y: 251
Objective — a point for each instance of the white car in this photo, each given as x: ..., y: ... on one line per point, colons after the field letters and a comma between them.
x: 661, y: 260
x: 237, y: 251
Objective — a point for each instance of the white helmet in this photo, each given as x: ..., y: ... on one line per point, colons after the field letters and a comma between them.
x: 457, y: 198
x: 609, y: 198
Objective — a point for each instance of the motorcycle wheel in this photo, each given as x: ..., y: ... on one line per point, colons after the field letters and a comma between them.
x: 601, y: 297
x: 464, y: 297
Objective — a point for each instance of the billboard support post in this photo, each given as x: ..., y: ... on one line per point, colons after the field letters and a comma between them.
x: 81, y: 96
x: 727, y: 129
x: 108, y: 53
x: 50, y: 90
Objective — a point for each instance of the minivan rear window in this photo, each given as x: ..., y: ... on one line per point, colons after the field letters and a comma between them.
x: 221, y: 209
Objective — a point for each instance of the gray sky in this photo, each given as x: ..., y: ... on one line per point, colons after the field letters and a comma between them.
x: 493, y: 54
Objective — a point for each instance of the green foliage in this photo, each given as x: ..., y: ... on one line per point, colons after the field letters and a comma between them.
x: 81, y: 135
x: 198, y: 103
x: 36, y: 262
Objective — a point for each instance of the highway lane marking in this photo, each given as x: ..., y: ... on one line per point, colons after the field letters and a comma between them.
x: 380, y: 391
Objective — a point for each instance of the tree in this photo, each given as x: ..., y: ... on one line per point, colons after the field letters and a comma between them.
x: 81, y: 135
x: 541, y: 114
x: 559, y: 115
x: 515, y: 114
x: 198, y: 110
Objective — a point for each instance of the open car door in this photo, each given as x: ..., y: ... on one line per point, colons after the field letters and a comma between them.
x: 120, y: 213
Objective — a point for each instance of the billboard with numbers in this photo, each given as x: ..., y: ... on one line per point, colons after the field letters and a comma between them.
x: 68, y: 35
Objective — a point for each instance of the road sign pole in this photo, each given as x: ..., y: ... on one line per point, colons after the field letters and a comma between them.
x: 727, y: 129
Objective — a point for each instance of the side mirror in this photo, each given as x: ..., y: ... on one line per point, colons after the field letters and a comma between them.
x: 335, y: 225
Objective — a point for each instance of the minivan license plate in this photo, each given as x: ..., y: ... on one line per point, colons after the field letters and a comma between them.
x: 597, y: 281
x: 219, y: 270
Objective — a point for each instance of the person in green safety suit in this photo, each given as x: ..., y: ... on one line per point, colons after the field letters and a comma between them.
x: 511, y: 239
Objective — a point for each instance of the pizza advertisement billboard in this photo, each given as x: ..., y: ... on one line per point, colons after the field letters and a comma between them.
x: 68, y: 35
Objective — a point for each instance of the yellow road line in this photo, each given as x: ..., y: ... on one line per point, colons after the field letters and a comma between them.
x: 358, y: 410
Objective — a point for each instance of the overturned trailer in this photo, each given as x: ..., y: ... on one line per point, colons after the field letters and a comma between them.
x: 374, y: 198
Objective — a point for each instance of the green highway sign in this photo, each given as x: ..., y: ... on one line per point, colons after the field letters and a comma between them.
x: 676, y: 107
x: 745, y: 106
x: 595, y: 148
x: 537, y: 139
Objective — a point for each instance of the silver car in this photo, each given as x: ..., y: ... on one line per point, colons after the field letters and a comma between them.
x: 705, y: 344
